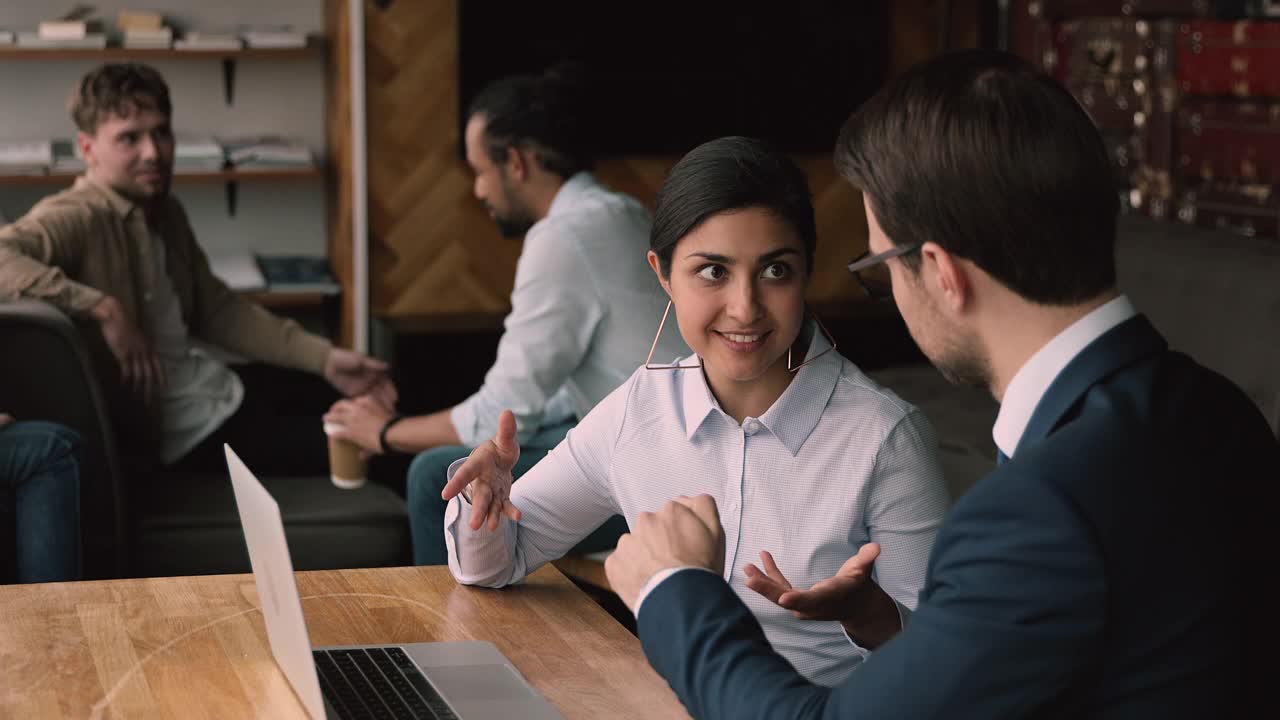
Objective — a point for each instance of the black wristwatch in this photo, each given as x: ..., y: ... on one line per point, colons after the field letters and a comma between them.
x: 382, y: 434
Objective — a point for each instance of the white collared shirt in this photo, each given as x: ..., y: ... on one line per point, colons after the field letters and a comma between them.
x: 584, y: 310
x: 836, y: 462
x: 200, y: 391
x: 1033, y: 379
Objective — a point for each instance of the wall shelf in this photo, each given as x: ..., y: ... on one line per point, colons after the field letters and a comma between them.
x: 201, y: 176
x: 286, y: 299
x: 314, y: 47
x: 231, y: 177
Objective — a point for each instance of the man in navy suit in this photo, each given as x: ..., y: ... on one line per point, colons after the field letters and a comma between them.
x: 1108, y: 566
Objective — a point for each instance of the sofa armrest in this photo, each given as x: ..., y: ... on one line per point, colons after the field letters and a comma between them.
x: 46, y: 374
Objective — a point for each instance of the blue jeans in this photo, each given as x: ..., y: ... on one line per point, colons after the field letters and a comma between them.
x: 429, y: 473
x: 40, y: 499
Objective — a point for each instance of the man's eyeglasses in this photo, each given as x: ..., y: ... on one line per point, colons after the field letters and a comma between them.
x: 873, y: 275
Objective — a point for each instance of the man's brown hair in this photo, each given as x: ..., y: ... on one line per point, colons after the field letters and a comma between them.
x: 120, y: 89
x: 987, y: 156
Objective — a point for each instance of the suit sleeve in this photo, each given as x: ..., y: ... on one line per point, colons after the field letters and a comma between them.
x: 1012, y: 611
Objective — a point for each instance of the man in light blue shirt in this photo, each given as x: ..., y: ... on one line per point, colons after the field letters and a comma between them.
x: 584, y: 309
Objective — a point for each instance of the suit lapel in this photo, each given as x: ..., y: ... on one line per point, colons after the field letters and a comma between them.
x: 1121, y: 346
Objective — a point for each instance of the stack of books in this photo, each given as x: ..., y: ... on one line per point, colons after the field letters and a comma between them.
x: 274, y: 36
x: 144, y: 29
x: 297, y: 273
x: 266, y: 151
x: 209, y: 40
x: 246, y: 270
x: 198, y: 154
x: 23, y: 157
x: 75, y: 29
x: 67, y: 159
x: 238, y: 269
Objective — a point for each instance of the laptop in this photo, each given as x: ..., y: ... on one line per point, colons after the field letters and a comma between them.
x: 444, y: 680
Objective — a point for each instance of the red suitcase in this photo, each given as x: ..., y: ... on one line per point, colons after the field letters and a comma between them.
x: 1222, y: 139
x: 1229, y: 58
x: 1244, y: 208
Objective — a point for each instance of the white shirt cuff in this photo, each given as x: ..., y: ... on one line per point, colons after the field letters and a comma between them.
x: 476, y: 557
x: 657, y: 579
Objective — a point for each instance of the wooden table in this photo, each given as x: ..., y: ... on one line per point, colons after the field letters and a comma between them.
x: 196, y: 647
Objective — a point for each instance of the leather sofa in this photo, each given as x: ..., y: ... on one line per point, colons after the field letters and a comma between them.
x: 144, y: 524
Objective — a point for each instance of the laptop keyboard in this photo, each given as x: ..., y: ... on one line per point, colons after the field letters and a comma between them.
x: 377, y: 683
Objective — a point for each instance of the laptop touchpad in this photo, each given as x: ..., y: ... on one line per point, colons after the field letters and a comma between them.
x: 478, y: 682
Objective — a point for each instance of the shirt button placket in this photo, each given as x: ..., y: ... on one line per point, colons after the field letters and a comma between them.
x: 733, y: 507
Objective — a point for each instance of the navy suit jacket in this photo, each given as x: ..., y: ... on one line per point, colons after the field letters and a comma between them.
x: 1108, y: 570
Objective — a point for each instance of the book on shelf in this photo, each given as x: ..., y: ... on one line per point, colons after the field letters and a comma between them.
x: 209, y: 40
x: 127, y: 20
x: 62, y: 29
x: 26, y: 157
x: 248, y: 271
x: 297, y: 273
x: 148, y: 38
x: 198, y: 153
x: 91, y: 41
x: 273, y: 36
x: 238, y: 269
x: 75, y: 24
x: 66, y: 157
x: 266, y: 151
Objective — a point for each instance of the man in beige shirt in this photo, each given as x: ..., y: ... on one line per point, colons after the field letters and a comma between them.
x: 117, y: 254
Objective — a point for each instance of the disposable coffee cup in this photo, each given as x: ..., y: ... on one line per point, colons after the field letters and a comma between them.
x: 347, y: 468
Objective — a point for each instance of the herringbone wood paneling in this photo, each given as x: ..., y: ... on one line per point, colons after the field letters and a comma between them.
x: 433, y: 250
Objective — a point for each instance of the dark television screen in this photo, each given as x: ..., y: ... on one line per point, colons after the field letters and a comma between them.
x: 667, y: 76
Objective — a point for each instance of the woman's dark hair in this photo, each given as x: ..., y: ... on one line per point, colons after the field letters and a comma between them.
x: 546, y: 114
x: 996, y: 162
x: 731, y: 173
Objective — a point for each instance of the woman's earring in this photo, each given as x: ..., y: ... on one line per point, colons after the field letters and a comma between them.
x: 825, y: 334
x: 648, y: 362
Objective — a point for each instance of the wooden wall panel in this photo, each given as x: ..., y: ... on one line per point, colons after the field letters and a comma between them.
x: 433, y: 250
x: 435, y: 255
x: 338, y: 161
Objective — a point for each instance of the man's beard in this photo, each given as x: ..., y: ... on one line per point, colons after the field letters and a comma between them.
x: 141, y: 195
x: 968, y: 371
x: 514, y: 225
x: 964, y: 364
x: 960, y: 360
x: 518, y: 218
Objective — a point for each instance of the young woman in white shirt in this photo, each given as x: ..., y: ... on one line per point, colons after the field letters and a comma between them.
x: 805, y: 456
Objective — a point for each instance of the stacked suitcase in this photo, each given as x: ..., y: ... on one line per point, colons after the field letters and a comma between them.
x: 1186, y: 94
